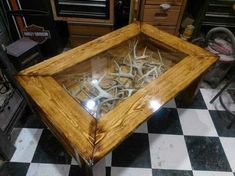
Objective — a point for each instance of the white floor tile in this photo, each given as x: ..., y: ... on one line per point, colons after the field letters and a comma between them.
x: 208, y: 94
x: 127, y: 171
x: 229, y: 149
x: 142, y: 128
x: 36, y: 169
x: 99, y: 168
x: 108, y: 159
x: 170, y: 104
x: 212, y: 173
x: 196, y: 122
x: 26, y: 144
x: 74, y: 162
x: 169, y: 152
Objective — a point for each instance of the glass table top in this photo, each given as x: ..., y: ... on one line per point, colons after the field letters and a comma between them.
x: 102, y: 82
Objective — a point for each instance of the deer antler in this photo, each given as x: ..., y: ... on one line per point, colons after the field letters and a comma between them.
x: 131, y: 72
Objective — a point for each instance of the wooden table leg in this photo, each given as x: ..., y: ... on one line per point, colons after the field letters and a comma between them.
x: 188, y: 95
x: 97, y: 170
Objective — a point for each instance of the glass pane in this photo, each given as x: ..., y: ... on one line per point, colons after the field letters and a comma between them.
x: 102, y: 82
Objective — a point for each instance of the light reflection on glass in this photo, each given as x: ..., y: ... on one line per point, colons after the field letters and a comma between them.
x: 90, y: 104
x: 94, y: 81
x: 154, y: 105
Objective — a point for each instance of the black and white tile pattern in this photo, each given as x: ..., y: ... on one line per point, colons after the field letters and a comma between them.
x: 175, y: 141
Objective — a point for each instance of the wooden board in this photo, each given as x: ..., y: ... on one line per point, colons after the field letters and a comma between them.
x: 171, y: 2
x: 169, y: 29
x: 66, y: 118
x: 92, y: 139
x: 88, y: 30
x: 112, y: 129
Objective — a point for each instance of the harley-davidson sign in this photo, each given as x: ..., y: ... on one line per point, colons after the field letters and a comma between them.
x: 36, y: 33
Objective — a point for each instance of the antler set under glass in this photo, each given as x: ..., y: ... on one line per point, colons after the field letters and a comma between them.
x: 129, y: 74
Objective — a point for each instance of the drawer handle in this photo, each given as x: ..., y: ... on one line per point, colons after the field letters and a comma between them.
x: 161, y: 15
x: 165, y: 6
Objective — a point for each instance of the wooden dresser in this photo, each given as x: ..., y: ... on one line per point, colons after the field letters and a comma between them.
x: 82, y: 33
x: 164, y: 14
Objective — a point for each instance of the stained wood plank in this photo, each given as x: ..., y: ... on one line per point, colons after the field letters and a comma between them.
x: 63, y: 114
x: 81, y: 53
x: 172, y: 2
x: 173, y: 41
x: 118, y: 124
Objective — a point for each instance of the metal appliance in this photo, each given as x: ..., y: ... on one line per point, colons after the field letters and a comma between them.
x: 98, y: 9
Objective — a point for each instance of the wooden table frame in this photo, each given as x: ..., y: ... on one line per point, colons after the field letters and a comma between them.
x: 80, y: 133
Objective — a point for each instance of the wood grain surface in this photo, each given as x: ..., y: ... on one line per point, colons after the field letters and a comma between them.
x: 118, y: 124
x: 70, y: 121
x: 92, y: 139
x: 154, y: 15
x: 173, y: 41
x: 171, y: 2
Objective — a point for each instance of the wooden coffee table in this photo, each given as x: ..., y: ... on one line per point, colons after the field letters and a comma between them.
x: 88, y: 130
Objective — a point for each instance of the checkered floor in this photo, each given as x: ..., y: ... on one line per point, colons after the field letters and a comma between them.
x: 176, y: 141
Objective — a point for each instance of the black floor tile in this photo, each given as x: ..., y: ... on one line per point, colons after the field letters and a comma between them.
x: 157, y: 172
x: 76, y: 171
x: 206, y: 153
x: 165, y: 121
x: 221, y: 121
x: 14, y: 169
x: 49, y: 150
x: 108, y: 171
x: 133, y: 152
x: 198, y: 102
x: 30, y: 121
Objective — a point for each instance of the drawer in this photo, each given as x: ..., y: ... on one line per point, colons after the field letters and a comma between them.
x: 219, y: 19
x: 221, y: 2
x: 153, y: 14
x: 226, y: 8
x: 75, y: 29
x: 77, y: 40
x: 169, y: 29
x: 172, y: 2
